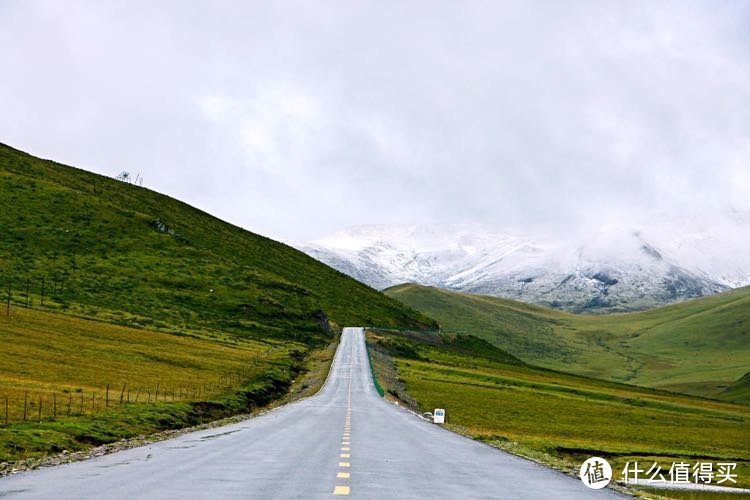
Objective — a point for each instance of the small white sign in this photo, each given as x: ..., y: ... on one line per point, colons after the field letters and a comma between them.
x: 438, y: 416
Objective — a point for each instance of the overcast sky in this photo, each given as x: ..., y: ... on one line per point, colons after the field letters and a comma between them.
x: 294, y: 119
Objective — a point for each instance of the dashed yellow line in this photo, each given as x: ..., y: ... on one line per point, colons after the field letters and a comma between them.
x: 342, y: 489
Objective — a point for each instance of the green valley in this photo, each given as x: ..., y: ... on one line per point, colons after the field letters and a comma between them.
x: 699, y: 347
x: 554, y: 417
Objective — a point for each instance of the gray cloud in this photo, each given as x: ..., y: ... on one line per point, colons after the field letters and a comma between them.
x: 293, y: 119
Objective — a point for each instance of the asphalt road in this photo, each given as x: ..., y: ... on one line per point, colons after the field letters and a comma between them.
x: 346, y: 440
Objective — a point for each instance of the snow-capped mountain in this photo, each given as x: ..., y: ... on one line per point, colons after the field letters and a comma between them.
x: 607, y: 269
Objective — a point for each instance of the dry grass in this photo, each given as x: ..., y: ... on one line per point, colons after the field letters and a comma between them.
x: 43, y: 353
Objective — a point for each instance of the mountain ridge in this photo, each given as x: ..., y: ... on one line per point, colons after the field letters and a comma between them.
x: 615, y: 270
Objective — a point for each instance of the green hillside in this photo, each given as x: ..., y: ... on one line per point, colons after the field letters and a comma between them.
x: 737, y: 391
x: 103, y: 248
x: 194, y: 319
x: 555, y: 417
x: 698, y: 347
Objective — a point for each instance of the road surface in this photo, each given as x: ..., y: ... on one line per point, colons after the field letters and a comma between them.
x: 346, y: 440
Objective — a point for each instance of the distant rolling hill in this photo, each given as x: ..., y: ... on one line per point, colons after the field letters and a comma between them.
x: 700, y: 347
x: 103, y: 248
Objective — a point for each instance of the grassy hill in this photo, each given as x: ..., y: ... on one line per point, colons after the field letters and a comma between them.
x: 68, y: 383
x: 698, y: 347
x: 105, y: 248
x: 559, y: 418
x: 126, y: 312
x: 738, y: 390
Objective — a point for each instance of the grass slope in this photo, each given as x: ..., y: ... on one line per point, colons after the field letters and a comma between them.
x: 562, y: 419
x: 145, y: 259
x: 698, y: 347
x: 738, y: 391
x: 155, y: 294
x: 56, y: 370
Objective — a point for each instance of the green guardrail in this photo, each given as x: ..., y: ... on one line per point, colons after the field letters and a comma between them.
x: 372, y: 370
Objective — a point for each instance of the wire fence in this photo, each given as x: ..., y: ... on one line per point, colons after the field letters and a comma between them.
x: 20, y: 405
x: 37, y: 406
x: 32, y: 292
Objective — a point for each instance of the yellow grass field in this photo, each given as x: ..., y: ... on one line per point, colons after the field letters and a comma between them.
x: 66, y: 360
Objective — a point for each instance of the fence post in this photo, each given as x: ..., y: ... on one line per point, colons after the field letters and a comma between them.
x: 122, y: 393
x: 70, y: 400
x: 25, y: 404
x: 54, y: 405
x: 42, y: 303
x: 81, y: 410
x: 28, y: 284
x: 39, y: 415
x: 156, y: 397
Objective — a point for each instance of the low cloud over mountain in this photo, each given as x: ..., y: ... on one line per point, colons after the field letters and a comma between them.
x: 606, y: 269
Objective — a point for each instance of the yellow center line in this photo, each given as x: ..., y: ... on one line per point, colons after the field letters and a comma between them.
x: 341, y: 490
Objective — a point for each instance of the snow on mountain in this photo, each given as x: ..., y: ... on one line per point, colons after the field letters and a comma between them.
x: 610, y: 269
